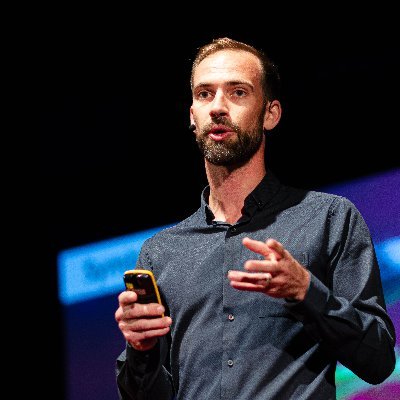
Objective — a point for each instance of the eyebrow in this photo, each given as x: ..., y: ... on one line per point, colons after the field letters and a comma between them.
x: 230, y: 83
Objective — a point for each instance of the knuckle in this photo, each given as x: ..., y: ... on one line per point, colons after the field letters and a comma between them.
x: 126, y: 314
x: 145, y: 309
x: 146, y: 334
x: 127, y: 335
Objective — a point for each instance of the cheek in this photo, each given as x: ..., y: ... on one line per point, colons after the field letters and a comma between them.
x: 245, y: 120
x: 200, y: 117
x: 254, y: 119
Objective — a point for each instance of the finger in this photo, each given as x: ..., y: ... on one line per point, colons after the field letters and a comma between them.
x: 250, y: 287
x: 277, y: 247
x: 127, y: 297
x: 138, y: 310
x: 145, y: 324
x: 118, y: 314
x: 258, y: 247
x: 137, y: 338
x: 260, y: 266
x: 256, y: 278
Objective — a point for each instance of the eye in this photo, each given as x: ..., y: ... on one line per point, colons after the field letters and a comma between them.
x: 203, y: 95
x: 239, y: 93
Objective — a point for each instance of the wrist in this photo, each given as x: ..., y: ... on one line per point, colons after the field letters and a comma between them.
x: 303, y: 288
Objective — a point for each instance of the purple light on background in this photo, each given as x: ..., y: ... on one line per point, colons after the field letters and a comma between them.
x: 389, y: 391
x: 394, y: 312
x: 378, y: 199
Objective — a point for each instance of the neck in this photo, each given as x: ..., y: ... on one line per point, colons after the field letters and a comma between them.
x: 229, y: 186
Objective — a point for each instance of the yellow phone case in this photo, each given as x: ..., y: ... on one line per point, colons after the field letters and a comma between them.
x: 138, y: 281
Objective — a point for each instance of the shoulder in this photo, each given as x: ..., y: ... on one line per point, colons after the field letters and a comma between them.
x: 173, y: 231
x: 322, y: 203
x: 333, y: 201
x: 339, y: 209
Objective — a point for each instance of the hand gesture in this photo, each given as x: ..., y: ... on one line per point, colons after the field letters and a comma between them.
x: 278, y: 275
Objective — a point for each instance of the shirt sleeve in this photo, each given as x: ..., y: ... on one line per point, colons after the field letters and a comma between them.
x: 141, y: 375
x: 347, y: 312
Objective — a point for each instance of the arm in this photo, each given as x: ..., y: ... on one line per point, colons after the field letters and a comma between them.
x: 141, y: 374
x: 140, y: 369
x: 346, y: 312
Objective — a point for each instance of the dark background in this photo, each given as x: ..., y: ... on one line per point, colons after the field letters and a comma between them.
x: 116, y: 154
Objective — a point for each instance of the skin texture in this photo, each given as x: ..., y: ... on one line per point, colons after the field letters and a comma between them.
x: 230, y: 113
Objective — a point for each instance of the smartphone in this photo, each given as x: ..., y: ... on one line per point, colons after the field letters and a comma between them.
x: 142, y: 282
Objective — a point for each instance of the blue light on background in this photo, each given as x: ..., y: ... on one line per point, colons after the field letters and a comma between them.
x: 96, y: 270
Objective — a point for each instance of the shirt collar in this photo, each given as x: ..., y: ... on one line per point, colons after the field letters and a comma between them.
x: 264, y: 191
x: 257, y: 199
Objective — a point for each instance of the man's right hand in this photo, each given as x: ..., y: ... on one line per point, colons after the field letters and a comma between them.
x: 141, y: 324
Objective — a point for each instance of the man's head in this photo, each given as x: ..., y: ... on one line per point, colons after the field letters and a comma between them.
x: 235, y: 92
x: 270, y: 79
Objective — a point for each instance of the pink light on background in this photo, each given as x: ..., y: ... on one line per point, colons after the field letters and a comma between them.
x: 389, y: 391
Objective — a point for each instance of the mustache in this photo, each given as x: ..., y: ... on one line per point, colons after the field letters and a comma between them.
x: 220, y: 121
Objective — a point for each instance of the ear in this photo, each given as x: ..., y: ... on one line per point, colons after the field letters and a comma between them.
x: 191, y: 115
x: 272, y: 115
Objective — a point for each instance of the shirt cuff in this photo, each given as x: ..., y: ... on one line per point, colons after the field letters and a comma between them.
x: 142, y: 362
x: 313, y: 303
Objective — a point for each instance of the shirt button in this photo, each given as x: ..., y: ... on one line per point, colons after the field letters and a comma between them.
x: 233, y: 229
x: 231, y: 317
x: 230, y: 363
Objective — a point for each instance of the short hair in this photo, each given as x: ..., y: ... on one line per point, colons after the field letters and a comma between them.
x: 270, y: 79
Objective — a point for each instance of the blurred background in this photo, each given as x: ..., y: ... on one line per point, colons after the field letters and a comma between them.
x: 117, y: 160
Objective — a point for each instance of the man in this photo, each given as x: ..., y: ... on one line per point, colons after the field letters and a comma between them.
x: 265, y: 287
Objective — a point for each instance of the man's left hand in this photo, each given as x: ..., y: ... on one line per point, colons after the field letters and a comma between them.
x: 278, y: 275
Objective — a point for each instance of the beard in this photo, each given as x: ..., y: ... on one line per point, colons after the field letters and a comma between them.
x: 232, y: 151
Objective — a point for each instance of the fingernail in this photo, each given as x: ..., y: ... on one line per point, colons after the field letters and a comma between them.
x: 160, y: 309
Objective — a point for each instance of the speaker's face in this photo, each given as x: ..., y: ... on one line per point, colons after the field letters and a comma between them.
x: 228, y: 106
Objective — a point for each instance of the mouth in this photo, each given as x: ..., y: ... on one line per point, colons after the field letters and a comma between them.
x: 220, y: 132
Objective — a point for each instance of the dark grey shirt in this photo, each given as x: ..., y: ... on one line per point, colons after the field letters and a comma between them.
x: 231, y: 344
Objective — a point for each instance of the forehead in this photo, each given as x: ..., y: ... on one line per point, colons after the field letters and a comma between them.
x: 228, y: 65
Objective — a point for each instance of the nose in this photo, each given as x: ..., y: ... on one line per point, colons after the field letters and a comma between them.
x: 219, y: 105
